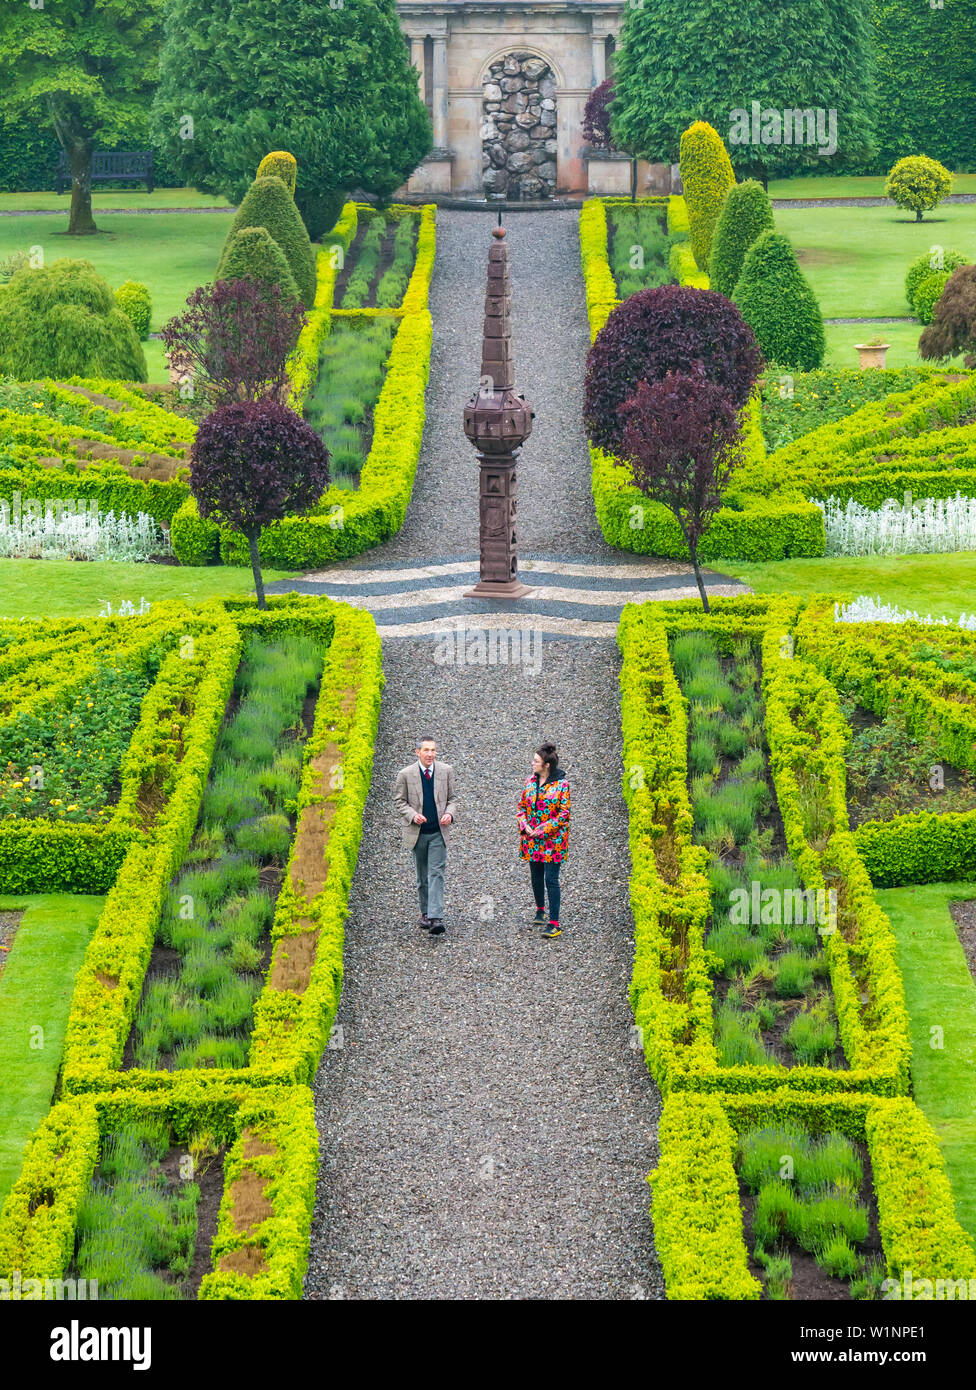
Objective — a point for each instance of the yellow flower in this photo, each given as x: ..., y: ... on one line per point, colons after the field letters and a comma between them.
x: 71, y: 808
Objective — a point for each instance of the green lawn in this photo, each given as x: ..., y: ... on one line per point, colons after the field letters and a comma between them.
x: 856, y: 258
x: 901, y: 337
x: 172, y: 254
x: 942, y: 585
x: 852, y: 186
x: 76, y: 588
x: 940, y: 995
x: 119, y: 197
x: 35, y: 996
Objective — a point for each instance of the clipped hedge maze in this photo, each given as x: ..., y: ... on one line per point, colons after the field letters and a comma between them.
x: 705, y: 783
x: 250, y: 1106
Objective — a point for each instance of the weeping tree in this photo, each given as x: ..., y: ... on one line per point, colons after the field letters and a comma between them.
x: 953, y: 326
x: 335, y: 89
x: 87, y: 68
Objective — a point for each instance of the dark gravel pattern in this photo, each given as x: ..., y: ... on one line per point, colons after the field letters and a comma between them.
x: 487, y: 1125
x: 964, y: 916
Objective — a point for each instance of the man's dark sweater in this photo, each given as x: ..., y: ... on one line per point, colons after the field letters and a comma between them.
x: 430, y: 825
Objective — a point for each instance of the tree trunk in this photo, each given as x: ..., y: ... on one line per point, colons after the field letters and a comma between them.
x: 256, y: 567
x: 698, y: 577
x: 633, y: 180
x: 81, y: 222
x: 918, y: 217
x: 79, y: 146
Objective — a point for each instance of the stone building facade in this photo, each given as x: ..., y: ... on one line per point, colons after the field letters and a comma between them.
x: 506, y: 82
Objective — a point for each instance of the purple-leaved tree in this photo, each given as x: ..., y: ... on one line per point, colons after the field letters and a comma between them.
x: 236, y: 335
x: 252, y: 463
x: 681, y: 437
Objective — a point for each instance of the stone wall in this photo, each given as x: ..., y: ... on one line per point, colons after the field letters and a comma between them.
x: 518, y: 133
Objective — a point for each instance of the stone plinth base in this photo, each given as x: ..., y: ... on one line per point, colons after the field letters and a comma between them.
x: 434, y: 175
x: 492, y: 588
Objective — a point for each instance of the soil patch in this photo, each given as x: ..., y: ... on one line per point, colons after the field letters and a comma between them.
x: 249, y: 1261
x: 251, y: 1206
x: 294, y: 958
x: 964, y: 916
x: 210, y: 1180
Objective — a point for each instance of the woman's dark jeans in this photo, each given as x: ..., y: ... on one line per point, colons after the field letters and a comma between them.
x: 546, y: 876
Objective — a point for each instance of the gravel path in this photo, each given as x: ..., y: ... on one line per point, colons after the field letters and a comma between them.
x: 551, y: 339
x: 486, y: 1125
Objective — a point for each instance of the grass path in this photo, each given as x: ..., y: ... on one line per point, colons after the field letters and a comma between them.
x: 35, y: 995
x: 941, y: 994
x: 917, y: 582
x: 856, y: 258
x: 77, y: 589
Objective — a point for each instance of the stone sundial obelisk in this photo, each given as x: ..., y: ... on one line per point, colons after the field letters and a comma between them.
x: 498, y: 420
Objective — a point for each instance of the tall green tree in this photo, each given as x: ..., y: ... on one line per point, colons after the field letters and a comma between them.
x: 87, y: 67
x: 712, y: 61
x: 331, y: 83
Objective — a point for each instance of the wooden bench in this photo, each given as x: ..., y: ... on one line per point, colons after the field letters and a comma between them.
x: 123, y: 167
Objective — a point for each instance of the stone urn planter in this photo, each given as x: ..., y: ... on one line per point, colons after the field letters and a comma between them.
x: 871, y: 354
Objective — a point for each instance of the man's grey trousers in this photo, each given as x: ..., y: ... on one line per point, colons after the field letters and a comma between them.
x: 430, y: 856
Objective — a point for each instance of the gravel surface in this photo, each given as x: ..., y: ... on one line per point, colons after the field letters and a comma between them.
x: 487, y: 1126
x: 551, y: 340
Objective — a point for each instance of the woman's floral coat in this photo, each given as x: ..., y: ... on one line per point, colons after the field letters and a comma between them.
x: 548, y: 802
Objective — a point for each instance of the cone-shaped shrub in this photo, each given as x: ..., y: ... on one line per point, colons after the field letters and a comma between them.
x: 744, y: 216
x: 706, y: 172
x: 953, y: 326
x: 254, y: 252
x: 268, y: 204
x: 657, y: 331
x: 283, y: 165
x: 63, y: 320
x: 777, y: 301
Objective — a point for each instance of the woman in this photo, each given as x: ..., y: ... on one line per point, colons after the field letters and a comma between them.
x: 543, y: 822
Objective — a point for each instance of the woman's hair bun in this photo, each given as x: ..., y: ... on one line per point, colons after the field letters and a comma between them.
x: 547, y: 752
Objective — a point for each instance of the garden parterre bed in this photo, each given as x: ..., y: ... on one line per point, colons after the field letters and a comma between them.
x: 807, y: 1238
x: 917, y: 438
x: 347, y: 520
x: 261, y: 1243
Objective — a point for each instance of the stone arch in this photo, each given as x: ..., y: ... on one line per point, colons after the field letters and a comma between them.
x: 518, y: 125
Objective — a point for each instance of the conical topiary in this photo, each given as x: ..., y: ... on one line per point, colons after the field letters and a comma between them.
x: 283, y: 165
x: 254, y: 253
x: 745, y: 214
x: 268, y: 204
x: 63, y: 320
x: 777, y: 302
x: 706, y: 172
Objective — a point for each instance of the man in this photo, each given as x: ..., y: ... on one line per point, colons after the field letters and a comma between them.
x: 424, y: 800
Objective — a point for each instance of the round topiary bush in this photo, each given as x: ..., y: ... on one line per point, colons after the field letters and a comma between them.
x: 268, y: 204
x: 707, y: 175
x: 778, y: 303
x: 938, y: 258
x: 63, y: 320
x: 657, y: 331
x: 320, y: 211
x: 281, y: 164
x: 744, y: 215
x: 928, y: 294
x: 254, y: 253
x: 918, y: 184
x: 135, y: 301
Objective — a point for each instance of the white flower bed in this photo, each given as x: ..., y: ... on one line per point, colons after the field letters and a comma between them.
x: 872, y: 610
x: 83, y: 537
x: 930, y: 526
